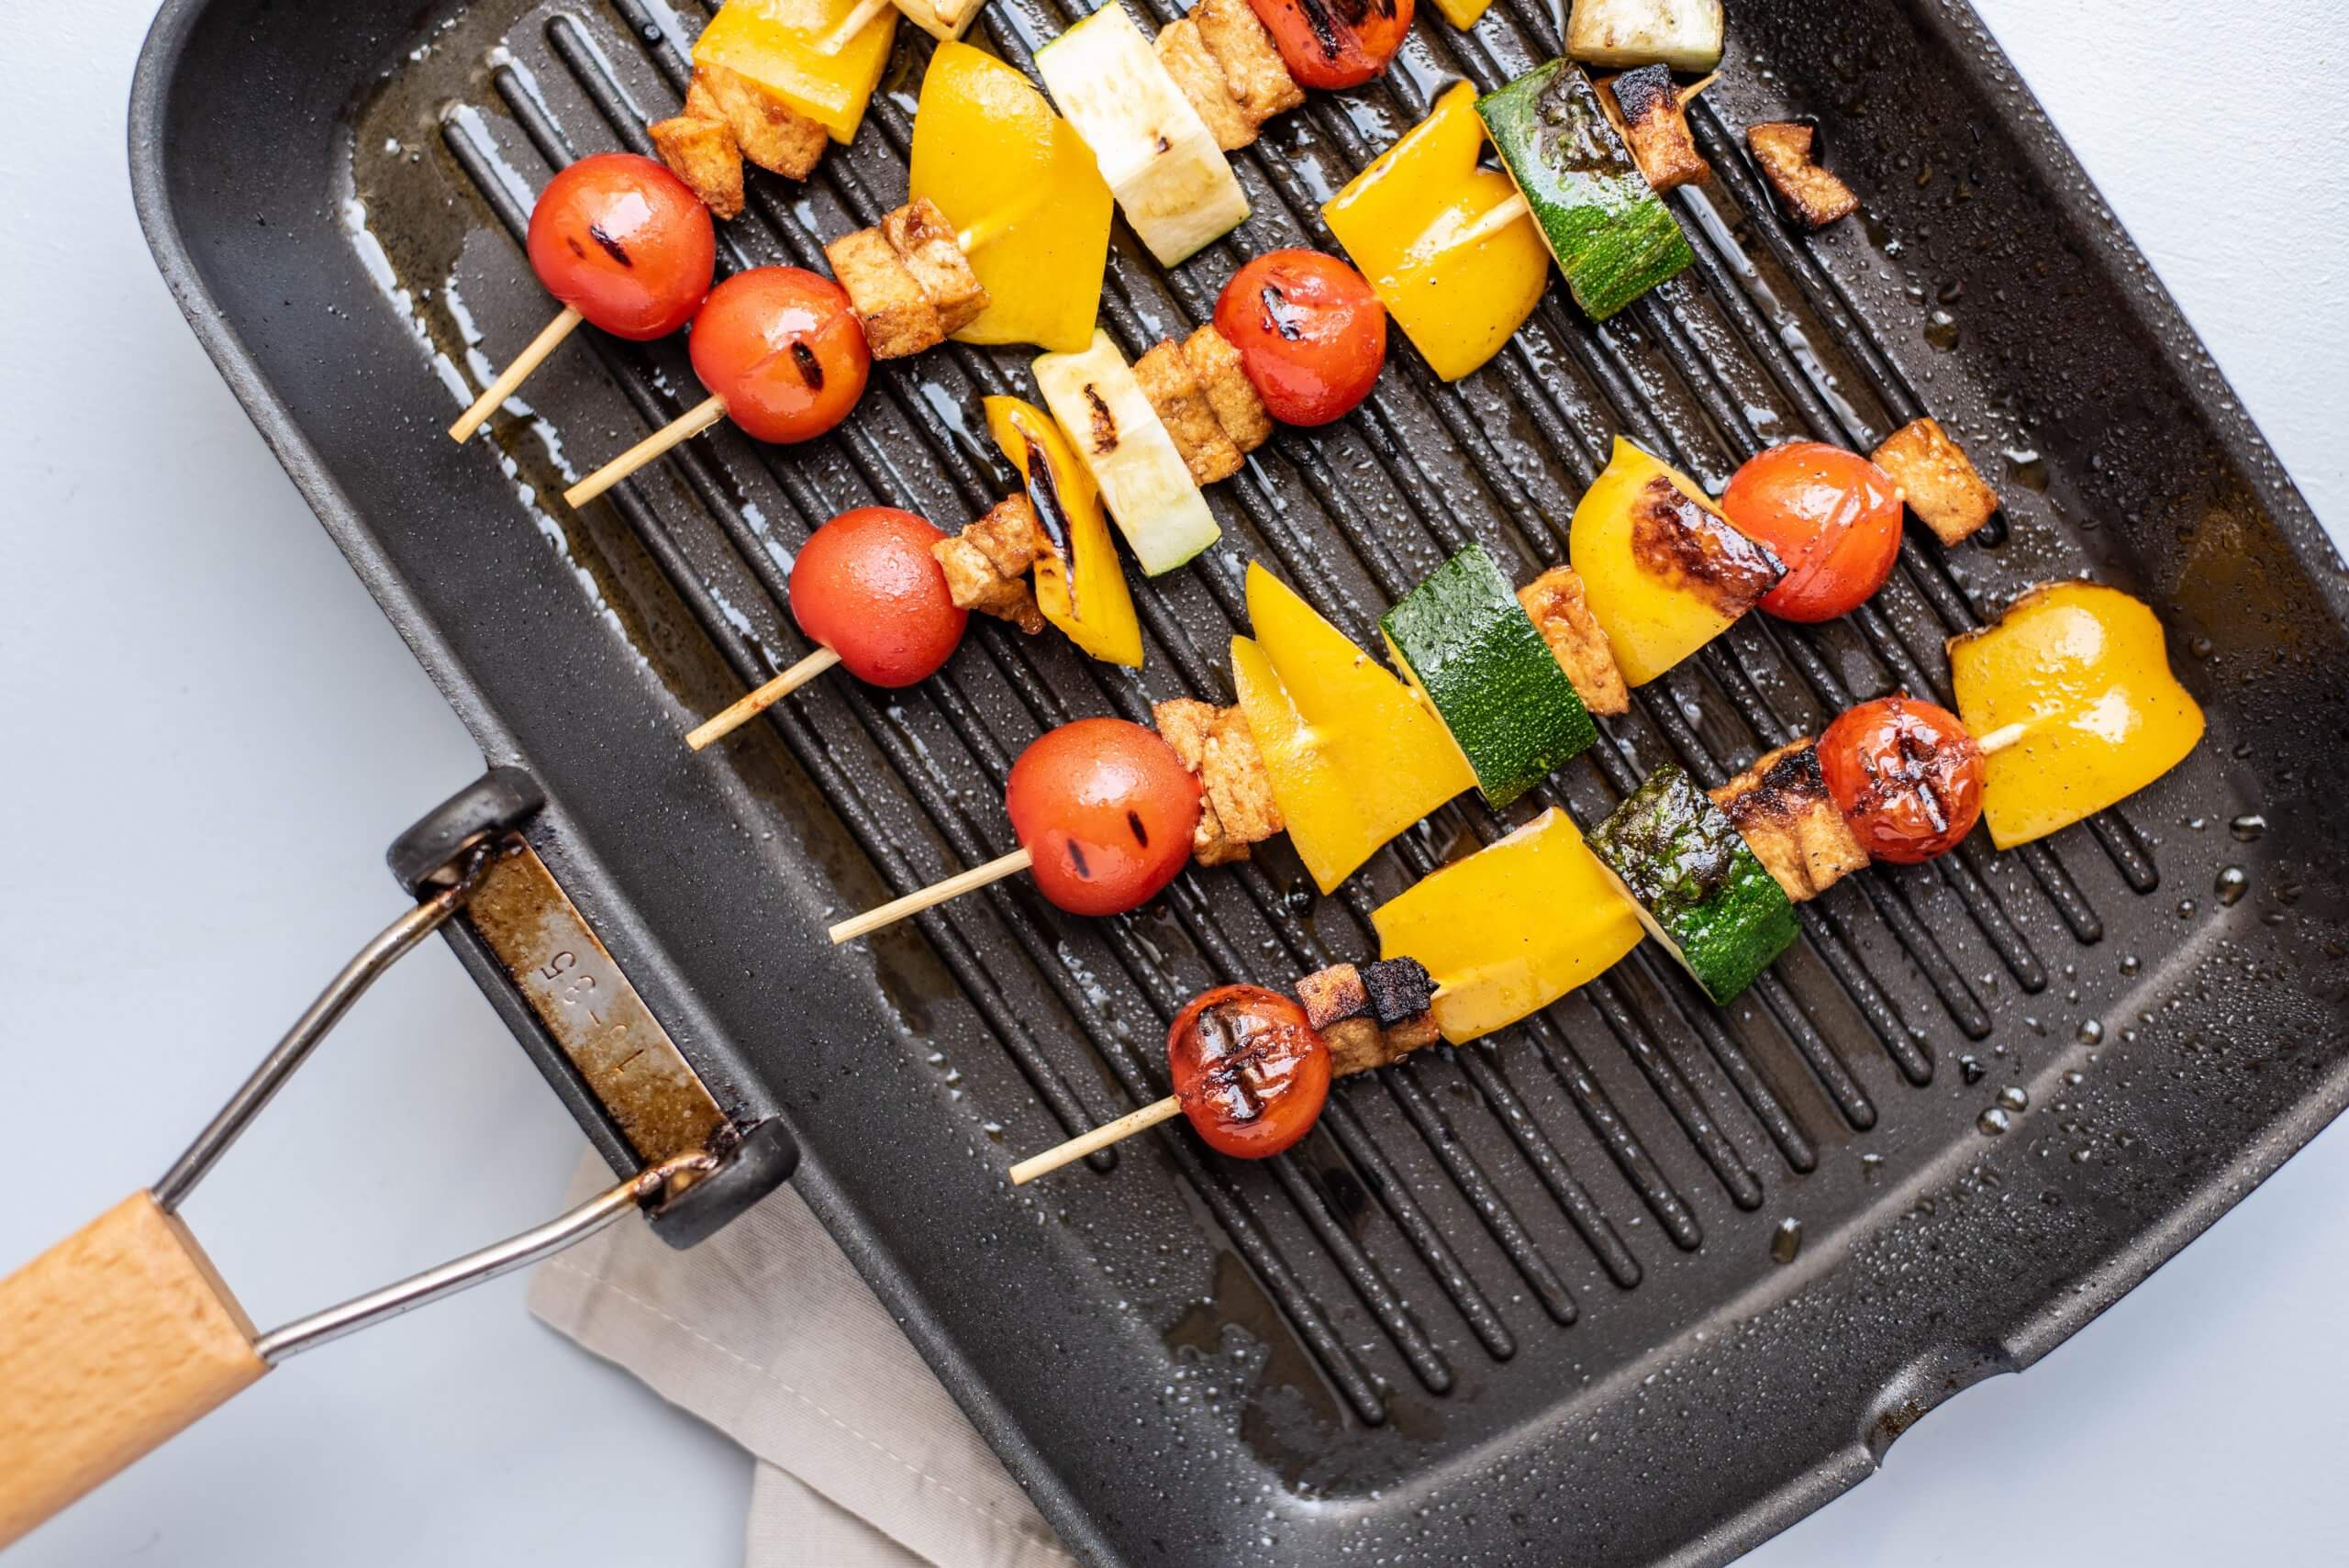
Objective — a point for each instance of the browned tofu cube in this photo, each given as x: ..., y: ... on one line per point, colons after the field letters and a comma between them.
x: 769, y: 132
x: 1647, y: 108
x: 1560, y: 610
x: 927, y: 244
x: 1232, y: 776
x: 1242, y: 47
x: 1195, y: 71
x: 1783, y: 811
x: 1332, y: 995
x: 1215, y: 364
x: 701, y: 153
x: 988, y: 563
x: 1813, y: 197
x: 898, y: 317
x: 1181, y: 407
x: 1944, y: 488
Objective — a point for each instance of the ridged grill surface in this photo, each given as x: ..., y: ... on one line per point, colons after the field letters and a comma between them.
x: 1472, y: 1277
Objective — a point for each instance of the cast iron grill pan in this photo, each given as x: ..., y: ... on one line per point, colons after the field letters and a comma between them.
x: 1639, y: 1281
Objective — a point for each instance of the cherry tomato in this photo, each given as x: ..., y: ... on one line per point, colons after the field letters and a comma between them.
x: 1107, y: 811
x: 781, y: 347
x: 1310, y: 334
x: 1831, y: 516
x: 1335, y: 43
x: 1906, y: 774
x: 624, y: 240
x: 1251, y: 1073
x: 867, y: 587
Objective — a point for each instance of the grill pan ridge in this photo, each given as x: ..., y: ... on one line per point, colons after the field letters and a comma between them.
x: 1515, y: 1302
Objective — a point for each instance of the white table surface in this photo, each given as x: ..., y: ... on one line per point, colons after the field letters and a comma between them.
x: 211, y: 734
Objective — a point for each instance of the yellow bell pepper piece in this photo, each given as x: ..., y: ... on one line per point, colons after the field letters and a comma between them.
x: 1354, y: 758
x: 1084, y: 593
x: 1463, y: 14
x: 2082, y: 671
x: 793, y: 49
x: 1651, y: 620
x: 1019, y: 181
x: 1403, y: 221
x: 1511, y: 929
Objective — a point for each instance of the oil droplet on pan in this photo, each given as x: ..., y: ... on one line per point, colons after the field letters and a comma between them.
x: 1786, y: 1241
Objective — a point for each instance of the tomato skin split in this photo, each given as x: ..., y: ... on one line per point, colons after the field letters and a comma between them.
x: 1312, y: 335
x: 1253, y: 1073
x: 1906, y: 774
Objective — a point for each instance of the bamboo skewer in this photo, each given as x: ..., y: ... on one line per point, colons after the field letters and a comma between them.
x: 686, y: 426
x: 514, y: 374
x: 1495, y: 219
x: 1998, y: 740
x: 855, y: 22
x: 936, y: 893
x: 1102, y: 1137
x: 759, y: 701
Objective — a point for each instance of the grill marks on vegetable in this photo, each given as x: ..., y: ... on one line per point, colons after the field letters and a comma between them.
x: 1692, y: 548
x: 611, y: 247
x: 1104, y: 436
x: 1236, y: 1046
x: 1282, y: 316
x: 811, y: 369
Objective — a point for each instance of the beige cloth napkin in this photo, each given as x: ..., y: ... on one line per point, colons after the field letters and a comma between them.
x: 766, y: 1332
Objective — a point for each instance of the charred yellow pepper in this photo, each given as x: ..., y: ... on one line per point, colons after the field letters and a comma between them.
x: 798, y: 51
x: 1354, y: 757
x: 1081, y: 590
x: 1511, y: 929
x: 1663, y: 569
x: 1411, y: 222
x: 2076, y: 679
x: 1018, y: 181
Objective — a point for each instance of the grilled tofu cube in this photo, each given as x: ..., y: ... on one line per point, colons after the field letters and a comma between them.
x: 1944, y: 488
x: 1242, y: 47
x: 1647, y: 108
x: 898, y: 317
x: 1230, y: 392
x: 1369, y: 1015
x: 1181, y: 407
x: 767, y: 131
x: 988, y: 563
x: 700, y: 151
x: 1813, y: 197
x: 1556, y: 604
x: 1186, y: 57
x: 1782, y: 809
x: 1236, y: 804
x: 927, y: 244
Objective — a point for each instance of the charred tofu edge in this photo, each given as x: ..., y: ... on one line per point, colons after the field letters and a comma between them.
x: 1781, y: 807
x: 1652, y: 117
x: 1181, y: 404
x: 1944, y: 487
x: 1813, y: 195
x: 1560, y: 610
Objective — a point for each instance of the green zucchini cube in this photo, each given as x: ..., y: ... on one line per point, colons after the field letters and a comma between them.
x: 1612, y: 235
x: 1465, y: 643
x: 1697, y: 888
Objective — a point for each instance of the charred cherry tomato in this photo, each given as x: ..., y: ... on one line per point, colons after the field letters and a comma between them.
x: 867, y: 587
x: 1310, y: 334
x: 1831, y: 516
x: 1106, y: 811
x: 781, y: 347
x: 622, y: 239
x: 1251, y: 1071
x: 1335, y: 43
x: 1906, y: 774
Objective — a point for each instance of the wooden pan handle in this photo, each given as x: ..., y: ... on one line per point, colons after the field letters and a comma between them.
x: 110, y: 1341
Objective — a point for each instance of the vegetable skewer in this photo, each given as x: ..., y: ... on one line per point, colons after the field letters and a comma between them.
x: 1383, y: 1010
x: 624, y: 245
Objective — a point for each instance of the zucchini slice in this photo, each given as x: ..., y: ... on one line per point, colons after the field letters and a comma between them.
x: 1463, y: 640
x: 1134, y: 461
x: 1699, y: 888
x: 1172, y: 182
x: 1611, y: 233
x: 1683, y: 34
